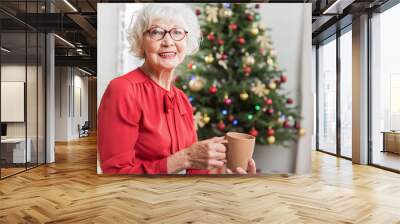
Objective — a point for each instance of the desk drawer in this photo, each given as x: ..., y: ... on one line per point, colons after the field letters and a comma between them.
x: 392, y: 142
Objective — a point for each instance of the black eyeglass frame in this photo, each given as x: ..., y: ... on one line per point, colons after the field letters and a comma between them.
x: 165, y: 33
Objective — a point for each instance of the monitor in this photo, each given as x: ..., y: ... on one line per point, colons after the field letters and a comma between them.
x: 3, y: 129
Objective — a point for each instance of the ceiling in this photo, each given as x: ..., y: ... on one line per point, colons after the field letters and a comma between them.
x: 76, y: 22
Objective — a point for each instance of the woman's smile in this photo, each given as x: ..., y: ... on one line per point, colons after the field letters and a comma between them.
x: 167, y: 55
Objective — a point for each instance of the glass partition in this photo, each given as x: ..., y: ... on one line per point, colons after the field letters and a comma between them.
x: 22, y: 88
x: 13, y: 94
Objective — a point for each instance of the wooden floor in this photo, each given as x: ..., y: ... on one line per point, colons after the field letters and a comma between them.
x: 70, y: 191
x: 387, y: 159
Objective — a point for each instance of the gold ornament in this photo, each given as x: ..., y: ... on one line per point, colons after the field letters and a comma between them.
x: 272, y: 85
x: 270, y: 62
x: 225, y: 13
x: 302, y: 131
x: 271, y: 140
x: 212, y: 14
x: 254, y: 31
x: 280, y: 120
x: 276, y: 66
x: 248, y: 60
x: 223, y: 64
x: 263, y: 41
x: 226, y: 96
x: 244, y: 96
x: 196, y: 84
x: 206, y: 119
x: 273, y: 53
x: 259, y: 89
x: 198, y: 120
x: 209, y: 59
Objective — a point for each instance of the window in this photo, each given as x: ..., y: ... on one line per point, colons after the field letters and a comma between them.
x: 385, y: 89
x: 327, y: 96
x: 346, y: 93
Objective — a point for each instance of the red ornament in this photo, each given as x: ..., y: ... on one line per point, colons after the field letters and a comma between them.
x: 198, y: 12
x: 220, y: 42
x: 224, y: 56
x: 247, y: 70
x: 231, y: 117
x: 253, y: 132
x: 286, y: 124
x: 297, y: 125
x: 289, y: 101
x: 213, y: 90
x: 270, y: 111
x: 227, y: 101
x: 283, y: 79
x: 211, y: 37
x: 177, y: 78
x: 241, y: 40
x: 190, y: 65
x: 270, y: 132
x: 233, y: 26
x: 221, y: 125
x: 268, y: 101
x: 250, y: 17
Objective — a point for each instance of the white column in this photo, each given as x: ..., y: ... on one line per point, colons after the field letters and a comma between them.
x: 50, y: 99
x: 360, y: 90
x: 306, y: 99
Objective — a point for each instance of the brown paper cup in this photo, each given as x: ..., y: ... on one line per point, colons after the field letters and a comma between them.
x: 240, y: 149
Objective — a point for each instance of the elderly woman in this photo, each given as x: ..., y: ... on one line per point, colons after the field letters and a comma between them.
x: 145, y: 123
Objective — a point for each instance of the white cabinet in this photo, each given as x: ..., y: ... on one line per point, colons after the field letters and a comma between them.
x: 15, y: 148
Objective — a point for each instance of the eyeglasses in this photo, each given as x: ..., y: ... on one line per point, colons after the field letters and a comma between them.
x: 158, y: 33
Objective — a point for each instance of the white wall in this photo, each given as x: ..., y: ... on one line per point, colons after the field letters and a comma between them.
x: 291, y: 37
x: 113, y: 58
x: 33, y: 127
x: 290, y: 26
x: 70, y: 84
x: 12, y: 73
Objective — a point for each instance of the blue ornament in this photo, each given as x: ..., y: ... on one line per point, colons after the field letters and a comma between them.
x: 235, y: 122
x: 224, y: 112
x: 226, y: 5
x: 192, y: 77
x: 191, y: 98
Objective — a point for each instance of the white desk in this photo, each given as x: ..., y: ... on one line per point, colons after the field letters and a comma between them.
x: 17, y: 147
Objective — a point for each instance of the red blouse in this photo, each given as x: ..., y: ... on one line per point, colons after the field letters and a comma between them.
x: 140, y: 124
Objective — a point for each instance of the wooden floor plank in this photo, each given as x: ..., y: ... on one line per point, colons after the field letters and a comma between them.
x: 70, y: 191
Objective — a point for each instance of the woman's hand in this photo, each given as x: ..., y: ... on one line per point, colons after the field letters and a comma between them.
x: 251, y: 168
x: 206, y: 154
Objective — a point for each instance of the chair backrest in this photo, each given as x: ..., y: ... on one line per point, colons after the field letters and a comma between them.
x: 86, y: 125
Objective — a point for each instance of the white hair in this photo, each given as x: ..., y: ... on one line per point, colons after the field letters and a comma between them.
x: 165, y: 12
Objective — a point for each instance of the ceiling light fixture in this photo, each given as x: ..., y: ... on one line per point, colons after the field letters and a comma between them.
x: 328, y: 10
x: 5, y: 50
x: 84, y: 71
x: 65, y: 41
x: 338, y: 7
x: 70, y: 5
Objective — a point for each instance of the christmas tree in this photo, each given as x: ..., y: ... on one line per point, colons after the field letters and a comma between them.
x: 234, y: 82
